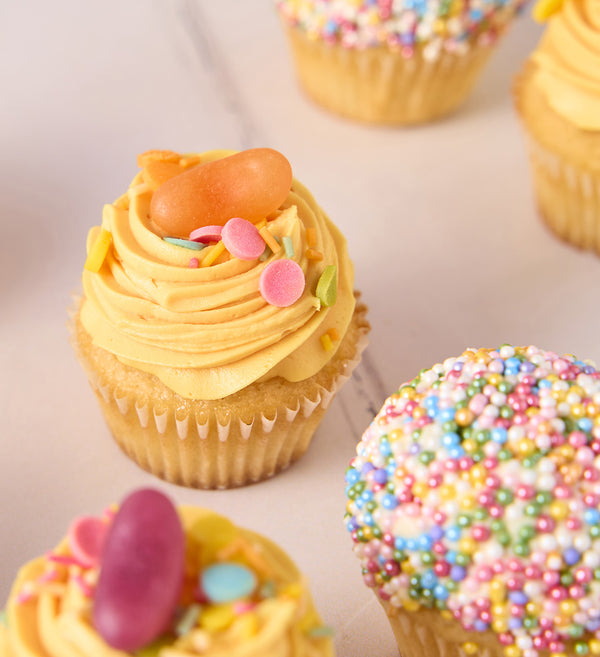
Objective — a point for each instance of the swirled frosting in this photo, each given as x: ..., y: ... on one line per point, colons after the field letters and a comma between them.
x: 568, y: 63
x: 207, y: 332
x: 49, y: 612
x: 437, y: 25
x: 476, y: 491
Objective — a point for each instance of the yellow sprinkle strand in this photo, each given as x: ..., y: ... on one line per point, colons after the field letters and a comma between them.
x: 99, y: 251
x: 215, y: 252
x: 217, y: 618
x: 313, y: 254
x: 326, y: 342
x: 272, y: 243
x: 261, y: 224
x: 293, y: 590
x: 333, y: 333
x: 311, y: 237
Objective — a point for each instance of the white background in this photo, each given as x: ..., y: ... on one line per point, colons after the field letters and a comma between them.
x: 440, y: 221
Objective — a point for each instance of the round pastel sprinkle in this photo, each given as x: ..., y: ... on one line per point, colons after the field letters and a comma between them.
x: 227, y: 581
x: 242, y: 239
x: 326, y: 290
x: 282, y: 283
x: 476, y: 491
x: 99, y: 251
x: 86, y: 537
x: 194, y: 263
x: 206, y: 234
x: 186, y: 244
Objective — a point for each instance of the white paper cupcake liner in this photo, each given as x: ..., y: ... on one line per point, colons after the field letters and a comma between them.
x: 427, y: 634
x: 378, y: 85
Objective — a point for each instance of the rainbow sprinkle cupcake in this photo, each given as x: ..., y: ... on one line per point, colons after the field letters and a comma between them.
x: 400, y: 62
x: 474, y: 506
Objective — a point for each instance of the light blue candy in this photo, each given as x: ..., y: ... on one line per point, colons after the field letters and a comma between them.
x: 225, y: 582
x: 187, y: 244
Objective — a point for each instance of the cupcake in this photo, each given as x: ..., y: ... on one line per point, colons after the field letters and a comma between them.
x: 155, y: 581
x: 218, y: 317
x: 557, y: 96
x: 387, y: 62
x: 474, y: 507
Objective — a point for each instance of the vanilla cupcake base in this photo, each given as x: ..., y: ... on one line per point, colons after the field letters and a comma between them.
x: 565, y: 167
x: 244, y: 438
x: 378, y: 85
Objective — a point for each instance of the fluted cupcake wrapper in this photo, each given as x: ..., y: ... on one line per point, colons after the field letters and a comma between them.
x: 215, y: 447
x: 568, y: 196
x: 378, y: 85
x: 426, y: 633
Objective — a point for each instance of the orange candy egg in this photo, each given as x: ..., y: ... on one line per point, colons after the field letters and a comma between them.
x: 250, y: 184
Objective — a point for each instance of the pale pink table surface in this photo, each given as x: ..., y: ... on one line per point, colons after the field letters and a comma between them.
x: 440, y: 221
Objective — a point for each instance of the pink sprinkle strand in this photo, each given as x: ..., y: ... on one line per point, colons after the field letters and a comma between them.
x: 242, y: 239
x: 64, y: 560
x: 86, y: 589
x: 282, y: 283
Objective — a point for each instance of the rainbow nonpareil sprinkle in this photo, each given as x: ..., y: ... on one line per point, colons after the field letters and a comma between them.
x: 476, y: 491
x: 405, y: 25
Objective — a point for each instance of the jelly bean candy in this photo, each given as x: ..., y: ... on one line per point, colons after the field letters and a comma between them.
x: 141, y: 572
x: 250, y: 184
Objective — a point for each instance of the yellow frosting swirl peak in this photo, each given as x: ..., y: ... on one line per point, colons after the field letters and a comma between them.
x: 206, y: 331
x: 568, y: 63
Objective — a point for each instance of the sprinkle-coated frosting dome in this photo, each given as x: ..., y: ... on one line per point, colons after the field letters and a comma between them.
x: 476, y: 491
x: 452, y: 25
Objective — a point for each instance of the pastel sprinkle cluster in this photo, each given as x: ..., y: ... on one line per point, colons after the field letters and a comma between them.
x: 437, y: 25
x: 476, y: 491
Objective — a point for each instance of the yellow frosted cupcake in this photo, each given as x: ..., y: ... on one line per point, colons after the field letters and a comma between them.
x: 218, y: 316
x: 154, y: 581
x: 387, y: 62
x: 557, y: 95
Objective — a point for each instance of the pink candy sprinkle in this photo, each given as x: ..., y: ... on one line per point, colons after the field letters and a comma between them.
x: 194, y: 263
x: 242, y: 239
x: 86, y: 589
x: 282, y: 283
x: 86, y: 539
x: 206, y: 234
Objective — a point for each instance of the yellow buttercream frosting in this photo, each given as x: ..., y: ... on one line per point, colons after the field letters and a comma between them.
x: 206, y: 331
x: 49, y: 611
x: 568, y: 63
